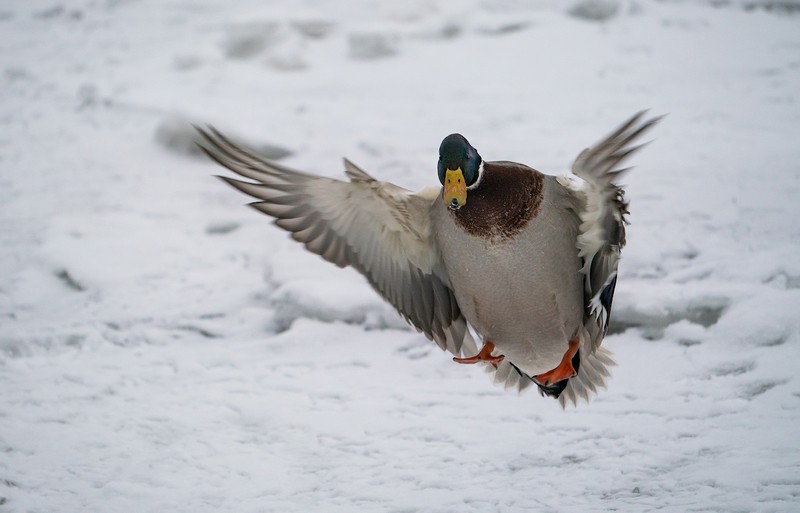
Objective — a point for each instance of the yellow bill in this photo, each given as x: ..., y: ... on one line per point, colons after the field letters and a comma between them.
x: 455, y: 188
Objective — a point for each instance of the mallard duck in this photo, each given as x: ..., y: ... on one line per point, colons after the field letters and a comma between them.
x: 526, y: 259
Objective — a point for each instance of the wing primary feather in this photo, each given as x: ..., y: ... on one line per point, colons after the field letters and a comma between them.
x: 230, y: 156
x: 238, y: 153
x: 602, y: 228
x: 355, y: 173
x: 380, y: 229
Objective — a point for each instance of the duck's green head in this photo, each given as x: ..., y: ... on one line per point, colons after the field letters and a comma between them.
x: 460, y: 169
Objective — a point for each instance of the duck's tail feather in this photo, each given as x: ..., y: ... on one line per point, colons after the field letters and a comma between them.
x: 591, y: 376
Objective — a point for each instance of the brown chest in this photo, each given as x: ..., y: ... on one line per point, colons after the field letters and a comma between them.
x: 507, y: 198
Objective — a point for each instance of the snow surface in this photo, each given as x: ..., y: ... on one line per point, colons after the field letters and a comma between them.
x: 163, y: 348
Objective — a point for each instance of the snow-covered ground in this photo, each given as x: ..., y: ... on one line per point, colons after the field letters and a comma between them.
x: 163, y: 348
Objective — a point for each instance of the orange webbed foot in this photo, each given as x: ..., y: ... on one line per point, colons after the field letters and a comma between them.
x: 564, y: 370
x: 485, y: 355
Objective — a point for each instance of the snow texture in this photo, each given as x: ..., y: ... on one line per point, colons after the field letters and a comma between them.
x: 163, y: 348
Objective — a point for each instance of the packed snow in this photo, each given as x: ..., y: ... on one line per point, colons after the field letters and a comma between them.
x: 164, y: 348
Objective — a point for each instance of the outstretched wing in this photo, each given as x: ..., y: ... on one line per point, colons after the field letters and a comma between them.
x: 380, y: 229
x: 602, y: 229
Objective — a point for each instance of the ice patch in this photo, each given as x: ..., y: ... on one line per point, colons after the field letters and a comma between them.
x: 703, y: 313
x: 594, y: 10
x: 373, y: 45
x: 314, y: 29
x: 282, y: 45
x: 246, y: 40
x: 222, y: 227
x: 787, y: 7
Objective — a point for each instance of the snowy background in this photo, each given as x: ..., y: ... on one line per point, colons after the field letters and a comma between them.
x: 165, y: 349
